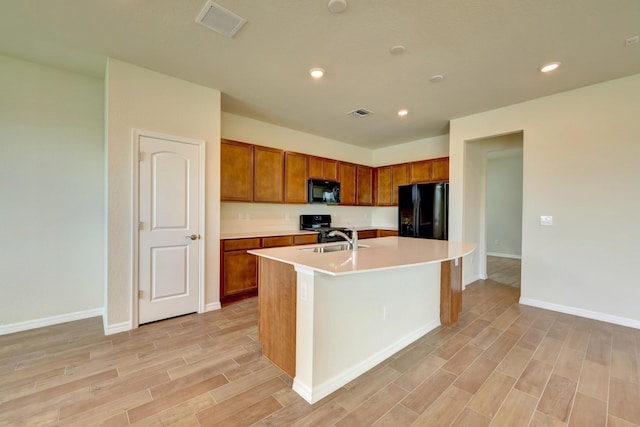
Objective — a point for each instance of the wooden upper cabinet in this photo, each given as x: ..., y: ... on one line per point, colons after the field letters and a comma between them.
x: 389, y: 178
x: 315, y: 167
x: 330, y: 169
x: 236, y: 171
x: 295, y: 178
x: 440, y: 169
x: 268, y: 183
x: 347, y: 178
x: 420, y: 171
x: 319, y: 168
x: 429, y: 170
x: 399, y: 176
x: 365, y: 185
x: 384, y: 189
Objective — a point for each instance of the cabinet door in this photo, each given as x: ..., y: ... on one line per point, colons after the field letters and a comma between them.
x: 347, y: 174
x: 305, y: 239
x: 240, y: 273
x: 440, y: 169
x: 268, y: 182
x: 365, y: 185
x: 330, y: 168
x: 399, y: 176
x: 420, y: 171
x: 295, y: 178
x: 384, y: 187
x: 236, y: 171
x: 315, y: 167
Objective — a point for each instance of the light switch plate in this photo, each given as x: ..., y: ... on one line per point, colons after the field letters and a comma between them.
x: 546, y: 220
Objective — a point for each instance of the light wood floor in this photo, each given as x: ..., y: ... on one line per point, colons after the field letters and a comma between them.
x: 504, y: 364
x: 504, y: 270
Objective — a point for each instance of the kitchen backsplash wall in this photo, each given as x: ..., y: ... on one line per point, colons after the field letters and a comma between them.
x: 248, y: 217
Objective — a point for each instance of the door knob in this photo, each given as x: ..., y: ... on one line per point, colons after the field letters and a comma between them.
x: 192, y: 237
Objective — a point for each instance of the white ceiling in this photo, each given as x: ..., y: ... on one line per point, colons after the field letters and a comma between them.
x: 488, y: 51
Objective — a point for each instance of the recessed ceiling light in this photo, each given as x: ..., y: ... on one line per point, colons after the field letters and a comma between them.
x: 337, y: 6
x: 397, y: 50
x: 549, y: 67
x: 316, y: 73
x: 403, y: 113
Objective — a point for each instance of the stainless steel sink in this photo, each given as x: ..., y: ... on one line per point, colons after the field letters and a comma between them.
x: 332, y: 248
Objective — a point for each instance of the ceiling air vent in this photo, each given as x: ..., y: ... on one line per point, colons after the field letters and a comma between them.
x: 360, y: 112
x: 219, y: 19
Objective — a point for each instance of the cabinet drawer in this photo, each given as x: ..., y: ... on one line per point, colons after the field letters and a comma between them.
x: 386, y: 233
x: 366, y: 234
x: 238, y: 244
x: 305, y: 239
x: 271, y: 242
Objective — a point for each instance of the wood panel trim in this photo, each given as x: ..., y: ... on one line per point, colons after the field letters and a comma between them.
x: 277, y: 313
x: 450, y: 291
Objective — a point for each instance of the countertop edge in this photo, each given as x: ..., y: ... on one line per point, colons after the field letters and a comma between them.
x: 268, y: 253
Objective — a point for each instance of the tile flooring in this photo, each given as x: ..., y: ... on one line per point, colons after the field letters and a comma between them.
x: 503, y: 364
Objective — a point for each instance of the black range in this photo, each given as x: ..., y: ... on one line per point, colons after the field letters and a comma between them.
x: 322, y: 224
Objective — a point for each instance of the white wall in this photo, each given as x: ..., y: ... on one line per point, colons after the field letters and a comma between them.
x: 243, y: 129
x: 428, y: 148
x: 504, y: 203
x: 581, y: 150
x: 143, y: 99
x: 52, y: 195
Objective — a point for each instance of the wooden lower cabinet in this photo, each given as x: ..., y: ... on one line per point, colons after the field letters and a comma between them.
x: 239, y: 269
x: 366, y: 234
x: 373, y: 233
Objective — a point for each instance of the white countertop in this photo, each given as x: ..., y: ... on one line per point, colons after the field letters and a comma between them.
x: 380, y: 254
x: 250, y: 234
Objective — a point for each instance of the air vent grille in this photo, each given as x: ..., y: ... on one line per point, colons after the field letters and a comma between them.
x: 219, y: 19
x: 360, y: 112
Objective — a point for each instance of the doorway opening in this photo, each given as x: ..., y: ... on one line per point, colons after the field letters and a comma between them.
x: 493, y: 186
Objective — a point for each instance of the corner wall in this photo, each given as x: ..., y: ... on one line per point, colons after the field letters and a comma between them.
x: 138, y: 98
x: 581, y: 150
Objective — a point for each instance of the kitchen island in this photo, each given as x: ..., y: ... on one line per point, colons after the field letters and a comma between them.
x: 326, y: 318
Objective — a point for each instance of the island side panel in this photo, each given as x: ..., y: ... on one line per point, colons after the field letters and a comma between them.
x: 450, y: 291
x: 277, y: 314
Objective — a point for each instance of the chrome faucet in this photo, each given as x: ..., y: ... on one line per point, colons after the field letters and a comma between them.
x: 353, y: 241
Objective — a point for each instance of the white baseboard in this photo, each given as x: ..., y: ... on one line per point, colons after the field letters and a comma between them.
x: 212, y: 306
x: 595, y: 315
x: 116, y: 328
x: 314, y: 394
x: 48, y: 321
x: 504, y: 255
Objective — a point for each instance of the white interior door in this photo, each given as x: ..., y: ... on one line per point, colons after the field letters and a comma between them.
x: 168, y: 237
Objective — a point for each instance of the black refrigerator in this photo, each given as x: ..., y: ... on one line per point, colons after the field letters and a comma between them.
x: 423, y: 210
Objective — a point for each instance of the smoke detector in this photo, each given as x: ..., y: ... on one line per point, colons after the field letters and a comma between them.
x: 360, y: 112
x: 219, y: 19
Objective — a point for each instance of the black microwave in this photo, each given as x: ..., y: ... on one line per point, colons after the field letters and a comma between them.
x: 321, y: 191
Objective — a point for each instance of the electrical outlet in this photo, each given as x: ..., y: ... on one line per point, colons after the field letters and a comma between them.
x: 546, y: 220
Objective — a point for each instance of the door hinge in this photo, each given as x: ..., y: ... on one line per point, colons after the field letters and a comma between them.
x: 139, y: 156
x: 140, y: 225
x: 140, y: 294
